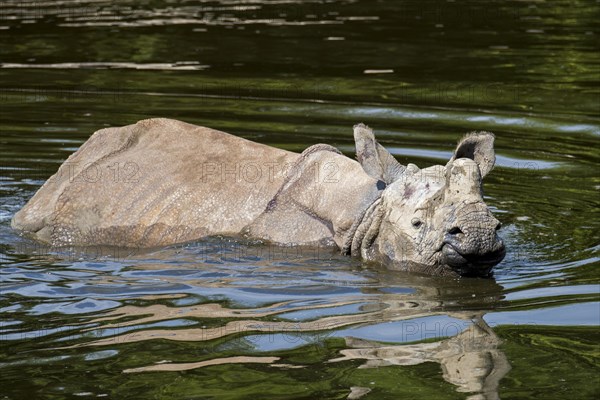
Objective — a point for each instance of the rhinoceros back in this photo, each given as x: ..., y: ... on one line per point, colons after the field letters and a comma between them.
x: 153, y: 183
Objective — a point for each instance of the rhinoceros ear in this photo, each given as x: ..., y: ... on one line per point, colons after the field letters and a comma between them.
x: 374, y: 158
x: 479, y: 147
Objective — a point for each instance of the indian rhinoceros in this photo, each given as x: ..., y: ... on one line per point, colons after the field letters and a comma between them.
x: 160, y: 182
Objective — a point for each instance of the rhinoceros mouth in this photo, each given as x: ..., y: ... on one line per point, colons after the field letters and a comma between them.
x: 471, y: 264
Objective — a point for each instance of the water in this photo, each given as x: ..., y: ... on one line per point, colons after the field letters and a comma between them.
x: 227, y: 319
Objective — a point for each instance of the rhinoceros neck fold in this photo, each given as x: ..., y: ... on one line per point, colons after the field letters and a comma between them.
x: 364, y: 229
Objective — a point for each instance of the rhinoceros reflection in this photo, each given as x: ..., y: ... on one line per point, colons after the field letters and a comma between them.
x: 470, y: 359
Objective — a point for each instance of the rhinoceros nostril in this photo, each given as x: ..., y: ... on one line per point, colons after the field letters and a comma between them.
x: 455, y: 231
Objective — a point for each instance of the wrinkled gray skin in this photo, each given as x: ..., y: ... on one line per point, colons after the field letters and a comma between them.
x: 162, y: 181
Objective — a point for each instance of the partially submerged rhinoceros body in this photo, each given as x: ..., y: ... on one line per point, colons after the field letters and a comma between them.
x: 162, y: 181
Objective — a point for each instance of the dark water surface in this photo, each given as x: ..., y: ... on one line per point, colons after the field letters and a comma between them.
x: 224, y: 319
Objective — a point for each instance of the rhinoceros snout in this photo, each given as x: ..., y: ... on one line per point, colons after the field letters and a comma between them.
x: 472, y: 260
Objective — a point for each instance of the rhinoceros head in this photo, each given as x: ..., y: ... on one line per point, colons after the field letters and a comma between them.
x: 434, y: 219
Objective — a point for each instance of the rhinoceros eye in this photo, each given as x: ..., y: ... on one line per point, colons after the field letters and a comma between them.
x: 416, y: 222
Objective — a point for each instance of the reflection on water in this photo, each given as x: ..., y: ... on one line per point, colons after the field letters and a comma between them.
x: 182, y: 66
x: 300, y: 301
x: 470, y: 360
x: 221, y: 318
